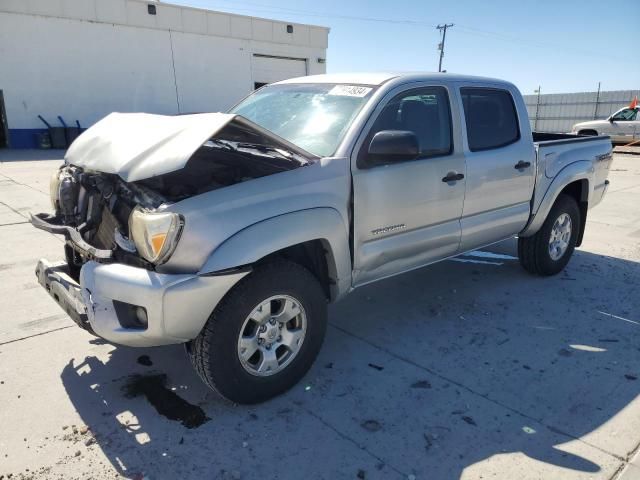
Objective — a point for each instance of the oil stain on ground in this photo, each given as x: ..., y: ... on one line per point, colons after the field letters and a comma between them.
x: 165, y: 401
x: 145, y: 360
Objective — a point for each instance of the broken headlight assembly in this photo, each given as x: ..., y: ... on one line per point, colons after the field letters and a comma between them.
x: 155, y: 234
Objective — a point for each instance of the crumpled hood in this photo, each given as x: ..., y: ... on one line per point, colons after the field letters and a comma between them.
x: 137, y: 146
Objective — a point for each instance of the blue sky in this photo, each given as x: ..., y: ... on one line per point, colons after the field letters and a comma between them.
x: 561, y: 45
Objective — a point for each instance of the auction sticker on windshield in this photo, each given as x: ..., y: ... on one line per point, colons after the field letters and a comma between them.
x: 350, y: 90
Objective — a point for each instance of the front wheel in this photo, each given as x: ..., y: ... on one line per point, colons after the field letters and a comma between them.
x: 264, y: 335
x: 549, y: 250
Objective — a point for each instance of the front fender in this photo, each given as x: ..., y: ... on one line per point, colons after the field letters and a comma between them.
x: 271, y: 235
x: 577, y: 171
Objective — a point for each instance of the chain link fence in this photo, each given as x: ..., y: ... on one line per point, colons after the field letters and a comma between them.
x: 558, y: 112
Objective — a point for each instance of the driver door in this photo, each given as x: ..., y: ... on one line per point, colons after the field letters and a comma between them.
x: 407, y: 213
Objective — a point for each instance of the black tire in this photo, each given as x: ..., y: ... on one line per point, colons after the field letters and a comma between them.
x: 591, y: 133
x: 533, y: 251
x: 214, y: 352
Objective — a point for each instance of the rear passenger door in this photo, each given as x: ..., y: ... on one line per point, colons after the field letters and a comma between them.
x: 500, y: 160
x: 405, y: 214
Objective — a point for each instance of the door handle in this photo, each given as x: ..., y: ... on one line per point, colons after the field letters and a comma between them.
x: 453, y: 177
x: 521, y: 165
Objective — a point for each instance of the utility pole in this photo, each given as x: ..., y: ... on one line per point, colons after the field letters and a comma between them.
x: 595, y: 112
x: 535, y: 123
x: 443, y: 30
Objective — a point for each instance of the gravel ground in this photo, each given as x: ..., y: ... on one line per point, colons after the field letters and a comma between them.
x: 466, y: 369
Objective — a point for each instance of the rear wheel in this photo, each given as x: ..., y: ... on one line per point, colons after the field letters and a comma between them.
x: 264, y: 335
x: 549, y: 250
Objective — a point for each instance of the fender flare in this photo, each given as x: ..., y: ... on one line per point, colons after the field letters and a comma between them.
x: 577, y: 171
x: 256, y: 241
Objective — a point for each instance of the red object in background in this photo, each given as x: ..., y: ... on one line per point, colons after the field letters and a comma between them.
x: 634, y: 102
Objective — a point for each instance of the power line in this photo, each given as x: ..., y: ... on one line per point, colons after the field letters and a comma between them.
x: 443, y: 30
x: 534, y: 43
x: 276, y: 9
x: 251, y: 8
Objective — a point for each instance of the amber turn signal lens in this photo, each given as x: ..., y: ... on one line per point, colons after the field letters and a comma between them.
x: 157, y: 241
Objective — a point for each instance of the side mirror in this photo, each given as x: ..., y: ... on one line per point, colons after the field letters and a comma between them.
x: 389, y: 146
x: 611, y: 120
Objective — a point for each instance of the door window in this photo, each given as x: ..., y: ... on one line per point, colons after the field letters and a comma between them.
x: 423, y: 111
x: 625, y: 115
x: 491, y: 118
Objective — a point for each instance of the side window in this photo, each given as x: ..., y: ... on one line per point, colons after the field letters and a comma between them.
x: 491, y: 118
x: 625, y: 115
x: 424, y: 111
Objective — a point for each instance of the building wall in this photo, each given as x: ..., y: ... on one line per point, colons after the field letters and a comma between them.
x: 83, y: 59
x: 558, y: 112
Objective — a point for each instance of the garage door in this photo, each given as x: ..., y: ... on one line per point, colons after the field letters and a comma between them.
x: 269, y: 69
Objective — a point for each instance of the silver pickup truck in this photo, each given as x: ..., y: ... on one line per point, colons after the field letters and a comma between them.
x: 231, y: 232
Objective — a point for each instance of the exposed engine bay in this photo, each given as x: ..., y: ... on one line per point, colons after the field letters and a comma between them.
x: 221, y: 163
x: 93, y: 210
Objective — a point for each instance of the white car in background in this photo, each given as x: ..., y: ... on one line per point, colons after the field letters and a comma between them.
x: 623, y: 126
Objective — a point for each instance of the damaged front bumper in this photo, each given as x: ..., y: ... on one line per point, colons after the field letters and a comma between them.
x: 55, y: 279
x: 134, y: 306
x: 53, y: 224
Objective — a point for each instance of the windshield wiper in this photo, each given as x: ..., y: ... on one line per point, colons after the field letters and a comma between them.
x: 282, y: 152
x: 261, y: 147
x: 220, y: 143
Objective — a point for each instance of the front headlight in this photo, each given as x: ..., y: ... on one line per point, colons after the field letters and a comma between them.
x: 155, y: 234
x: 54, y: 189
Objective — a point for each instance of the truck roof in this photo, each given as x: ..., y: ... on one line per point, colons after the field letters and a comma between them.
x: 378, y: 78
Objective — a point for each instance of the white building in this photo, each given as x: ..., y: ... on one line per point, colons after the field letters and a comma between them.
x: 82, y: 59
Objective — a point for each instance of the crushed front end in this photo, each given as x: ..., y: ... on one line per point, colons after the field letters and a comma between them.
x: 93, y: 212
x: 109, y: 284
x: 112, y: 202
x: 96, y: 212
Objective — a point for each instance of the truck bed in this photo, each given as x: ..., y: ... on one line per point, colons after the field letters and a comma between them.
x: 557, y: 151
x: 560, y: 138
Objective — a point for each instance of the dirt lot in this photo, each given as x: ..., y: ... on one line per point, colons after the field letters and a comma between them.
x: 467, y: 369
